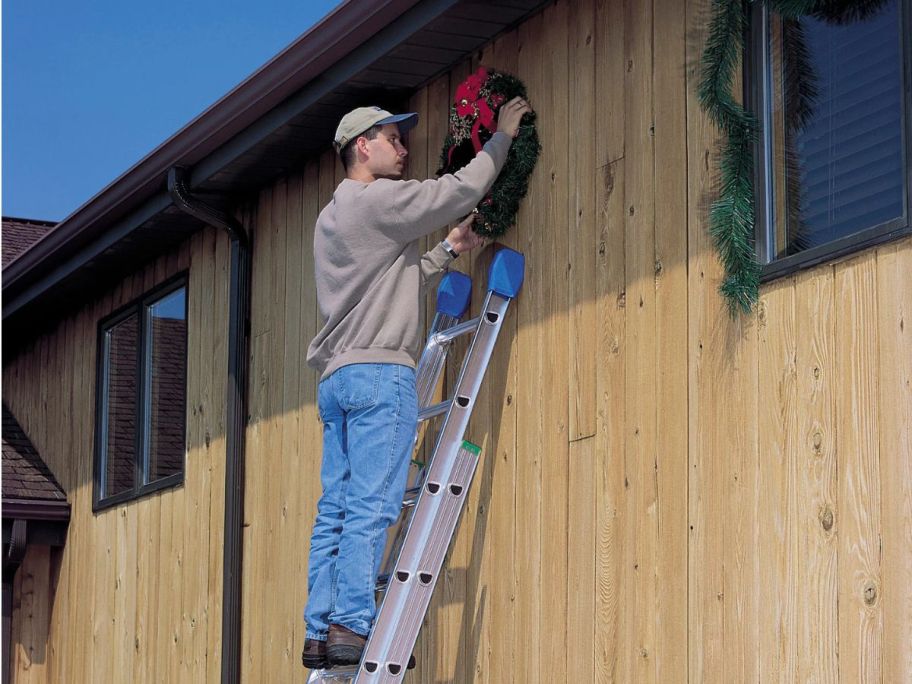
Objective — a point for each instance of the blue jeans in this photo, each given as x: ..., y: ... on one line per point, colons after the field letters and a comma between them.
x: 370, y: 414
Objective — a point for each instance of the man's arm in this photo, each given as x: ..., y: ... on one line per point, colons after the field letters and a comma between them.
x: 461, y: 239
x: 412, y: 209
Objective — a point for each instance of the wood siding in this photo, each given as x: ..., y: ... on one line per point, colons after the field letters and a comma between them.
x: 137, y: 596
x: 663, y: 488
x: 666, y: 494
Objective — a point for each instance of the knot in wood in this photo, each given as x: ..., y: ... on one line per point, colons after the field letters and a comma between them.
x: 870, y: 594
x: 826, y: 518
x: 818, y: 441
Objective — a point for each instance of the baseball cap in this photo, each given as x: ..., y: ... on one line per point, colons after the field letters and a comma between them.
x: 359, y: 120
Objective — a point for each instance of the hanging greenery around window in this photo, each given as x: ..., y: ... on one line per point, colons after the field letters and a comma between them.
x: 473, y: 120
x: 731, y: 220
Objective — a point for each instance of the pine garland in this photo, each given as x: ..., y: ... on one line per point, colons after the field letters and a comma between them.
x: 473, y: 120
x: 731, y: 218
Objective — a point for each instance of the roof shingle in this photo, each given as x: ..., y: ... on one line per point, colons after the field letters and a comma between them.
x: 20, y: 234
x: 25, y: 475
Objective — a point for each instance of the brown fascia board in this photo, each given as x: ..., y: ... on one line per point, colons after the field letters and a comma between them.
x: 36, y: 509
x: 328, y: 42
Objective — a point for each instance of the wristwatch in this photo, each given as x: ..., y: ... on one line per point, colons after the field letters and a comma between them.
x: 449, y: 248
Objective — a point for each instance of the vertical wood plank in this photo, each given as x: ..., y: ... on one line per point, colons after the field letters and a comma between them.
x: 310, y: 454
x: 818, y: 657
x: 858, y: 452
x: 257, y: 436
x: 894, y: 306
x: 670, y: 122
x: 611, y: 319
x: 215, y: 513
x: 291, y: 519
x: 554, y: 262
x: 530, y: 307
x: 583, y: 346
x: 211, y: 428
x: 778, y: 541
x: 707, y: 470
x: 641, y: 530
x: 270, y: 642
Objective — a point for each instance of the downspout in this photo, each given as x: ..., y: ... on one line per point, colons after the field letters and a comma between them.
x: 236, y: 416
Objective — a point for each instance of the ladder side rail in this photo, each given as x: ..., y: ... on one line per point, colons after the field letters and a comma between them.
x: 401, y: 612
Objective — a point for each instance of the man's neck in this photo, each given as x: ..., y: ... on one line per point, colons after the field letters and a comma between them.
x: 361, y: 174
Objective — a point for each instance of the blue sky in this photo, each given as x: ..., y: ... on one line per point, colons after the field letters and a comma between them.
x: 90, y: 87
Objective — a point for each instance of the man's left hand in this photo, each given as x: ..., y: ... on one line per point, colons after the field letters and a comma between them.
x: 462, y: 238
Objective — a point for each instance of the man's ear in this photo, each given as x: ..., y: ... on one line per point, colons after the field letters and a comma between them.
x: 361, y: 147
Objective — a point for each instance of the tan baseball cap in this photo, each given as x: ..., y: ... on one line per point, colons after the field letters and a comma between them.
x: 359, y: 120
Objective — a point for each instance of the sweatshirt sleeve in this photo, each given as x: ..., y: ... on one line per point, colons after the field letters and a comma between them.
x: 433, y: 264
x: 411, y: 209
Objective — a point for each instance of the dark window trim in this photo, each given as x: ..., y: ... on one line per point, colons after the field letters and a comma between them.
x: 757, y: 91
x: 136, y: 306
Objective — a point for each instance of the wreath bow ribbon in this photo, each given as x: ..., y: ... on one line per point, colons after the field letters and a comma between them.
x: 473, y: 120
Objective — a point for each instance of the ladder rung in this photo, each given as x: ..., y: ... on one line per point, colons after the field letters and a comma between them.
x: 337, y: 675
x: 411, y: 496
x: 435, y: 410
x: 450, y: 334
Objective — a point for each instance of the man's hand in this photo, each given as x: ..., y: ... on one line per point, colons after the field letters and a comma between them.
x: 462, y: 238
x: 510, y: 115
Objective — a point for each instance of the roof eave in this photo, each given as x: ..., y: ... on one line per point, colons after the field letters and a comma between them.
x: 36, y: 509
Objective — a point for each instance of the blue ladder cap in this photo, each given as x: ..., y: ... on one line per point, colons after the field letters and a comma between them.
x: 505, y: 277
x: 454, y: 293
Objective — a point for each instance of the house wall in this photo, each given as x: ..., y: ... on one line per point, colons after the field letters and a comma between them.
x: 666, y: 494
x: 138, y: 594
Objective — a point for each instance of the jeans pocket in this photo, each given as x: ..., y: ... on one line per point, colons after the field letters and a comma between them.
x: 359, y: 385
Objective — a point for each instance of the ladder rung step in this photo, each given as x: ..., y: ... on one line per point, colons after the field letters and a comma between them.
x: 450, y: 334
x: 435, y: 410
x: 336, y: 675
x: 411, y: 496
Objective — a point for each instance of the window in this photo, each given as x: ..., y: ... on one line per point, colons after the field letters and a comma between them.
x: 833, y: 97
x: 142, y: 396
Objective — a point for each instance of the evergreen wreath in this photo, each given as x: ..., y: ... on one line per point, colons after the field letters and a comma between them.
x: 731, y: 219
x: 473, y: 120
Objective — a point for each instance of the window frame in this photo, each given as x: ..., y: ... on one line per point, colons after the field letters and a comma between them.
x: 139, y: 307
x: 758, y: 90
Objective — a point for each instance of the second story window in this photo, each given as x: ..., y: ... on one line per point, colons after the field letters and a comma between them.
x: 142, y: 396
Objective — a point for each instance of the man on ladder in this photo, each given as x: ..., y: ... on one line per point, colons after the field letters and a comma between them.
x: 369, y: 275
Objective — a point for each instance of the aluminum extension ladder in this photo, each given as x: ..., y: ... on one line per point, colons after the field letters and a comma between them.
x: 437, y: 492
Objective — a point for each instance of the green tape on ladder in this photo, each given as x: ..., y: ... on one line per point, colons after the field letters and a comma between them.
x: 468, y: 446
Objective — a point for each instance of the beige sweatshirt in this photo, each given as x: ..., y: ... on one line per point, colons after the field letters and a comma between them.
x: 368, y: 268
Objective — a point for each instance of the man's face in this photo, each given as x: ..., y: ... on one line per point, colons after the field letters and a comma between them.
x: 386, y: 153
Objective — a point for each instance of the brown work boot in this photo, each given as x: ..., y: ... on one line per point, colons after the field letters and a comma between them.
x: 343, y: 646
x: 314, y: 654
